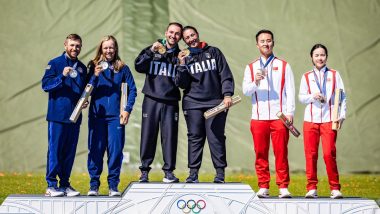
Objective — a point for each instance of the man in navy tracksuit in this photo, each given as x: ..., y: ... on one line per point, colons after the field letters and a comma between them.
x: 208, y: 81
x: 160, y: 105
x: 64, y: 80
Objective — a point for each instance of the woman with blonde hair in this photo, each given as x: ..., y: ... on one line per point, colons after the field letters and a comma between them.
x: 106, y: 121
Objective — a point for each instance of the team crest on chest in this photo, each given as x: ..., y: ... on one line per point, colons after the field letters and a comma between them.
x: 80, y: 70
x: 208, y: 55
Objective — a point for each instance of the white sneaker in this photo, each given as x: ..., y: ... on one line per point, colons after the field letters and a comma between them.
x: 263, y: 193
x: 114, y: 193
x: 335, y: 194
x: 93, y: 192
x: 284, y: 193
x: 54, y: 192
x: 312, y: 194
x: 70, y: 191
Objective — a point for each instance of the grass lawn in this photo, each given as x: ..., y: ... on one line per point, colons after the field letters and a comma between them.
x: 366, y: 186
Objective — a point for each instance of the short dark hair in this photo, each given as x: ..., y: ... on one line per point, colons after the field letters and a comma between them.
x: 174, y: 23
x: 264, y: 31
x: 74, y: 36
x: 318, y: 46
x: 190, y: 27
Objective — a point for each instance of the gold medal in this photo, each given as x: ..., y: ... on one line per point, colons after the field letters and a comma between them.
x: 184, y: 52
x: 161, y: 49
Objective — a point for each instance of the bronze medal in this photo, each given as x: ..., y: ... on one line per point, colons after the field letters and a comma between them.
x: 263, y: 71
x: 322, y: 100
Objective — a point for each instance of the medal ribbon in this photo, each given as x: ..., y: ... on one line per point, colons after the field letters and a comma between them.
x: 195, y: 50
x: 168, y: 50
x: 68, y: 60
x: 198, y: 49
x: 262, y: 65
x: 323, y: 88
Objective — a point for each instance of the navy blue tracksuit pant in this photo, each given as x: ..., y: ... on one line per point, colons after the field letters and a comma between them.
x: 198, y: 128
x: 105, y: 134
x: 158, y: 114
x: 62, y: 146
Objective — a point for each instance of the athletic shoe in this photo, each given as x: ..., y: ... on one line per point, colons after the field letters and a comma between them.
x: 170, y: 177
x: 70, y: 191
x: 93, y: 192
x: 312, y: 194
x: 144, y: 178
x: 336, y: 194
x: 193, y: 177
x: 114, y: 193
x: 284, y: 193
x: 219, y: 178
x: 263, y: 193
x: 54, y: 192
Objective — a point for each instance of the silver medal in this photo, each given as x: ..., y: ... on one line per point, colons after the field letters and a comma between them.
x: 73, y: 73
x: 104, y: 65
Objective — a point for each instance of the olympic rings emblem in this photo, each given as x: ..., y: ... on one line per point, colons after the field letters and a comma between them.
x: 191, y: 205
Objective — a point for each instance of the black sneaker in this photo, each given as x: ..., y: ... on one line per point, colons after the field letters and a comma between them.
x: 193, y: 177
x: 144, y: 178
x: 170, y: 177
x: 219, y: 178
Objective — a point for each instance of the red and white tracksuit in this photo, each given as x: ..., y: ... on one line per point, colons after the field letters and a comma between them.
x: 318, y: 122
x: 274, y: 93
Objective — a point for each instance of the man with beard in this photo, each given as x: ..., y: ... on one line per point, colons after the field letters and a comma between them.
x: 160, y: 105
x: 64, y: 80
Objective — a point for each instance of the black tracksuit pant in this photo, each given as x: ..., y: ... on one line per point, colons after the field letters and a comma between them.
x: 158, y: 114
x: 198, y: 128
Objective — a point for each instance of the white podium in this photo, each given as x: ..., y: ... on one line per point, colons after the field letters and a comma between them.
x: 186, y: 198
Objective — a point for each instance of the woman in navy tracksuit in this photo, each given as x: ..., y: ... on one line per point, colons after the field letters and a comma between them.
x: 208, y: 81
x: 106, y: 133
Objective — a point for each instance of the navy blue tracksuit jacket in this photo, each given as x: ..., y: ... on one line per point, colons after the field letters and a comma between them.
x: 160, y: 106
x: 206, y: 79
x: 64, y: 93
x: 105, y: 131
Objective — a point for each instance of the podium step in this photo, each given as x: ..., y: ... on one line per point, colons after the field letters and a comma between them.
x: 186, y: 198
